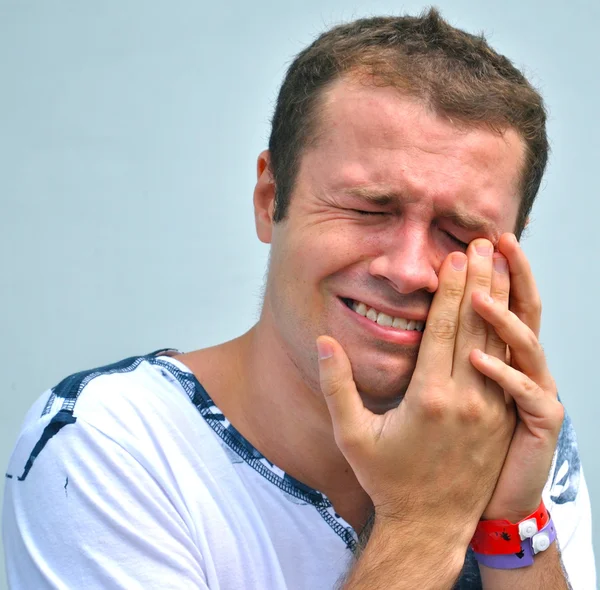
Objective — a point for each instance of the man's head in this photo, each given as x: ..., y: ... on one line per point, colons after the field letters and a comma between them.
x: 369, y: 184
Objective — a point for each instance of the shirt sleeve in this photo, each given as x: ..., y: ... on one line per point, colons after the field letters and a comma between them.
x: 567, y: 498
x: 81, y: 511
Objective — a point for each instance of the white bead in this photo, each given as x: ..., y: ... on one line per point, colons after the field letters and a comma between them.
x: 527, y: 528
x: 540, y: 542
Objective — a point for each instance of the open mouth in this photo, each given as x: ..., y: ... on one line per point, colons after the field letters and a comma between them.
x: 383, y: 319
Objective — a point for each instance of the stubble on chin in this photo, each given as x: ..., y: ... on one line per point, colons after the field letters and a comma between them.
x: 385, y: 389
x: 380, y: 399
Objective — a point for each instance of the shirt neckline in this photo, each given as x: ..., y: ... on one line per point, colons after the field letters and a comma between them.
x: 221, y: 426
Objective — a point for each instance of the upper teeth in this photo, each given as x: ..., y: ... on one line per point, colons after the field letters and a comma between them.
x: 386, y: 320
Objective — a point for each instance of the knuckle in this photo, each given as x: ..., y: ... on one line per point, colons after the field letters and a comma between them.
x: 500, y: 292
x: 481, y: 280
x: 452, y: 292
x: 349, y: 440
x: 559, y: 415
x: 532, y: 343
x: 494, y: 340
x: 472, y: 409
x: 332, y: 385
x: 473, y: 325
x: 554, y: 417
x: 442, y: 329
x: 536, y: 304
x: 529, y: 387
x: 559, y: 410
x: 434, y: 406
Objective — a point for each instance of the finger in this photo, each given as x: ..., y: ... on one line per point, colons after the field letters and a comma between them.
x: 436, y: 352
x: 526, y: 350
x: 499, y: 292
x: 524, y: 296
x: 341, y: 396
x: 540, y: 411
x: 472, y: 329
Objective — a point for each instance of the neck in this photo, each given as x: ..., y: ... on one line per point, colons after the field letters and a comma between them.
x: 297, y: 417
x: 254, y: 382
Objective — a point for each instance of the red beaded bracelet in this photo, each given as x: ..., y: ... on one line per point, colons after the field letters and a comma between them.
x: 501, y: 537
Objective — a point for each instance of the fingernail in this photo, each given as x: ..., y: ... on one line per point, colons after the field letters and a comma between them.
x: 324, y: 349
x: 483, y: 248
x: 488, y: 299
x: 459, y: 261
x: 483, y: 356
x: 500, y: 264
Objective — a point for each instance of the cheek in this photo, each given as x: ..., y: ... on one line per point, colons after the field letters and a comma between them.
x: 328, y: 248
x: 297, y: 269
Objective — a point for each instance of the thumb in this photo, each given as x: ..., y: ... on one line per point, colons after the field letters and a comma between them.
x: 338, y: 387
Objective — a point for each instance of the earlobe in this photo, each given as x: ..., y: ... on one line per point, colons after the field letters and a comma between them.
x: 264, y: 198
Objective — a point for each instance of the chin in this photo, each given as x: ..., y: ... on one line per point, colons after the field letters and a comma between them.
x: 383, y: 390
x: 380, y: 405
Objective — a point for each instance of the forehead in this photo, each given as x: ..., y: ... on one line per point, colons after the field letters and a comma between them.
x: 376, y: 138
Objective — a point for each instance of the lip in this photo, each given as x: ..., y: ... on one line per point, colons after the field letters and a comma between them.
x: 393, y: 335
x: 395, y: 313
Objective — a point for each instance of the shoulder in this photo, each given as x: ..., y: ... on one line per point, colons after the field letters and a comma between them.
x: 101, y: 465
x: 102, y: 392
x: 135, y: 401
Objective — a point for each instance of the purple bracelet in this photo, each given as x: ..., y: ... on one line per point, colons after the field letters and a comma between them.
x: 529, y: 547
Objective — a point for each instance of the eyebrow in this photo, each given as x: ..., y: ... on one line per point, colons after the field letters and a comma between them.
x: 381, y: 198
x: 468, y: 221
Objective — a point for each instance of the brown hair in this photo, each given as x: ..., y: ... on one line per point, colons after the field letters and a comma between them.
x: 454, y: 73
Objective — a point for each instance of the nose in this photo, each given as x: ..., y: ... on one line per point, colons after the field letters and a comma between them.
x: 407, y: 261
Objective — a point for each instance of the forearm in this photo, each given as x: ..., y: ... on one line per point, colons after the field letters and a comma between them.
x: 546, y: 573
x: 399, y: 559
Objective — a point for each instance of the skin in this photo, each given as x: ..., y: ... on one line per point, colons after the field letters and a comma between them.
x: 389, y: 260
x: 361, y: 447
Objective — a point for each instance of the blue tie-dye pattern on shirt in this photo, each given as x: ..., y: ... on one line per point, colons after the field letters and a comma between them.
x: 567, y: 470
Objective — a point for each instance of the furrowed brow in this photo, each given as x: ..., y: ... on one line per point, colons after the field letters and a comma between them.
x: 463, y: 219
x: 472, y: 223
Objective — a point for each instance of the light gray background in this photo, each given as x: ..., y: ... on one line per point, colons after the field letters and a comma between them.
x: 128, y: 137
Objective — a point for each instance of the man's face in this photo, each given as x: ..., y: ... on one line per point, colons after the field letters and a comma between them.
x: 384, y: 195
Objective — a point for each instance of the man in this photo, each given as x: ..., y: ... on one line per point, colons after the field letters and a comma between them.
x: 393, y: 400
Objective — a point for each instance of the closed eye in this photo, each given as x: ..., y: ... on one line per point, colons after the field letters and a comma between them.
x: 361, y: 212
x: 458, y: 242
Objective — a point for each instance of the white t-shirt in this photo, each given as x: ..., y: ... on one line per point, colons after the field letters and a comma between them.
x: 128, y: 476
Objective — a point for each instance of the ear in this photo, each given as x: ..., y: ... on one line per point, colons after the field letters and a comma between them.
x: 264, y: 198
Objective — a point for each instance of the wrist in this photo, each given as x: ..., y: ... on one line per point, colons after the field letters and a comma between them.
x: 530, y: 547
x: 404, y: 555
x: 502, y: 544
x: 427, y: 535
x: 436, y: 548
x: 512, y: 514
